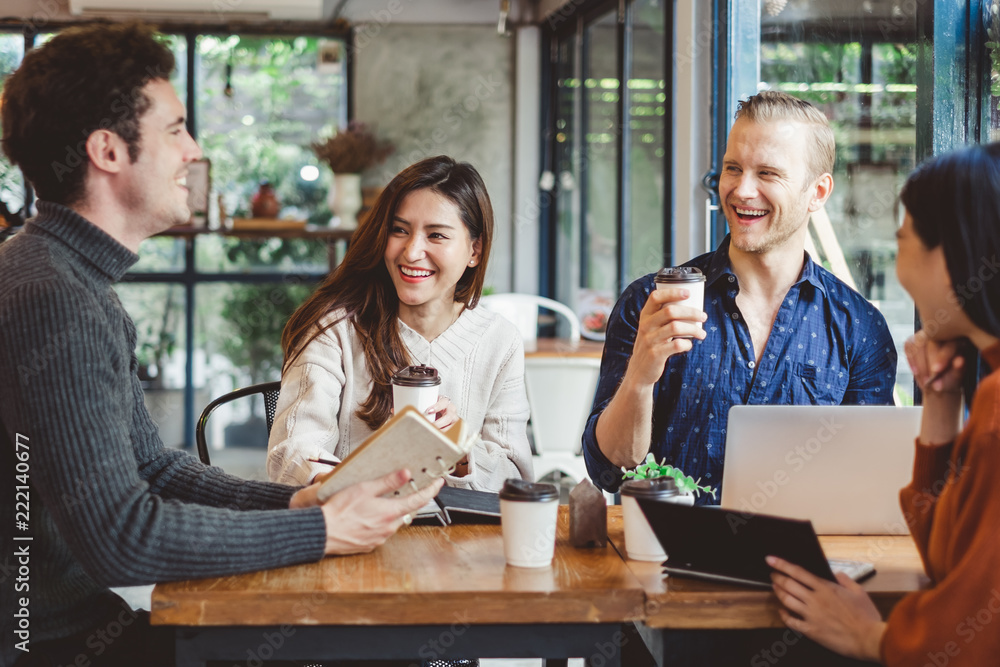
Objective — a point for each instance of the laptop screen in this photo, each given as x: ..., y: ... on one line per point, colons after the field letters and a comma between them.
x: 839, y: 466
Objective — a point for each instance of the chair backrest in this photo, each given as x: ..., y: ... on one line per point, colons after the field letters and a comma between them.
x: 522, y: 310
x: 560, y: 394
x: 269, y: 390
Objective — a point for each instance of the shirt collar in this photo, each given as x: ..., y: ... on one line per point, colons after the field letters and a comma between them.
x: 811, y: 275
x: 721, y: 267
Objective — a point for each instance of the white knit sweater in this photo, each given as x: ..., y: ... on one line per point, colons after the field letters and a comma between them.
x: 480, y: 359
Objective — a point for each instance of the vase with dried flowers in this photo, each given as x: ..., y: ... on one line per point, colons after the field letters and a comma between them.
x: 348, y: 153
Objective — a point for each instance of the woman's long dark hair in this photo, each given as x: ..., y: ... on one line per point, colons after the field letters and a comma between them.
x: 954, y: 202
x: 362, y: 287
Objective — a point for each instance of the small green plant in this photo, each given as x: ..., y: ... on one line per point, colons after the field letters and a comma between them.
x: 651, y: 469
x: 994, y: 48
x: 992, y: 18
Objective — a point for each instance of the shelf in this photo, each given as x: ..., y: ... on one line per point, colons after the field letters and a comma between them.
x: 276, y: 231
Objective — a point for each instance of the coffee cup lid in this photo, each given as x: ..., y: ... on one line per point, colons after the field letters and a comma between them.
x: 679, y: 274
x: 653, y: 489
x: 520, y: 490
x: 417, y: 376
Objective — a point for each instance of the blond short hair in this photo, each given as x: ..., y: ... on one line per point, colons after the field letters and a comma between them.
x: 772, y: 106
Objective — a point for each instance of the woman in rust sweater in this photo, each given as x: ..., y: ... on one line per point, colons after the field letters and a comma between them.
x: 949, y: 261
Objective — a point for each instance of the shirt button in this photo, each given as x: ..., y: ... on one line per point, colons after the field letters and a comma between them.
x: 732, y: 279
x: 751, y: 365
x: 736, y: 316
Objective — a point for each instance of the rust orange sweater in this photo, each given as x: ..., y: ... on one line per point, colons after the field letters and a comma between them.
x: 953, y: 509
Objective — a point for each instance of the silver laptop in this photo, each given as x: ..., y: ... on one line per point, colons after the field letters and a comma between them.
x: 839, y: 466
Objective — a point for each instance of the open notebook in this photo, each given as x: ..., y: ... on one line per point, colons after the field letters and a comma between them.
x: 727, y: 545
x: 460, y: 506
x: 408, y: 440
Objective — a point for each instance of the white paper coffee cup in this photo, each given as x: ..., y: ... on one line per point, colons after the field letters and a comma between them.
x: 417, y: 386
x: 640, y: 540
x: 419, y: 397
x: 684, y: 277
x: 528, y: 514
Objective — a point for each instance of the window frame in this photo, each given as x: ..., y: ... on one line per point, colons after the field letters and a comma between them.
x: 572, y: 29
x: 951, y: 41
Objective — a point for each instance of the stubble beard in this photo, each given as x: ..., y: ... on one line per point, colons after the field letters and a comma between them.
x: 777, y: 234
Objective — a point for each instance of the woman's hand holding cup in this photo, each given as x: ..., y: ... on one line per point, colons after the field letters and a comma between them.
x: 443, y: 412
x: 418, y: 386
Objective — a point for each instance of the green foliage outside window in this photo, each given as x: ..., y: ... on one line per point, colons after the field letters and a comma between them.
x: 254, y: 315
x: 11, y: 183
x: 828, y: 75
x: 261, y: 102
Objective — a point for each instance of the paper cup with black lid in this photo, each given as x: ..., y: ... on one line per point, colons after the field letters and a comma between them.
x: 528, y: 513
x: 640, y: 541
x: 684, y: 277
x: 417, y: 386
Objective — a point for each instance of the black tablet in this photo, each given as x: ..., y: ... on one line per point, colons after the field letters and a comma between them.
x: 729, y: 545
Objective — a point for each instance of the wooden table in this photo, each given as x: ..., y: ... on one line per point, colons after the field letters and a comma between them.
x: 428, y: 592
x: 433, y: 592
x: 677, y: 606
x: 562, y: 347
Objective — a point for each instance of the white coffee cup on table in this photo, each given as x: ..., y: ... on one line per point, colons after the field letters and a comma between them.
x: 528, y: 515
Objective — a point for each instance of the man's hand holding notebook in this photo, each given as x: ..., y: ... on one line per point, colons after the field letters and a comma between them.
x: 408, y: 440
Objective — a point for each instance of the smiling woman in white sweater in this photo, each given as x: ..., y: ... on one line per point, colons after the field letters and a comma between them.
x: 406, y: 293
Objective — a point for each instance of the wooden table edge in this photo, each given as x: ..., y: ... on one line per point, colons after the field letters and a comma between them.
x: 397, y: 609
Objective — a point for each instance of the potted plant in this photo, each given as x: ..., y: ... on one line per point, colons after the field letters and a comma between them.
x: 349, y: 152
x: 659, y: 482
x: 650, y: 469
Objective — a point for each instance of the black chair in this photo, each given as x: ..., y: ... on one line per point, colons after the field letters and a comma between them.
x: 269, y: 390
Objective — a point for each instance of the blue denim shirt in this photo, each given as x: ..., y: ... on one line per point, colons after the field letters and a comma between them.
x: 828, y: 345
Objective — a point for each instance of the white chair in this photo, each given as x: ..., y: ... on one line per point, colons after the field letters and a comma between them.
x: 522, y: 311
x: 560, y: 394
x: 560, y: 387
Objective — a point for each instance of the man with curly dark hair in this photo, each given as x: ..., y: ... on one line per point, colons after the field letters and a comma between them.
x: 89, y: 496
x: 61, y: 96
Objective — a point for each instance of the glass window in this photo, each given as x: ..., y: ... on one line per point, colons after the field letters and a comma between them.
x: 606, y: 237
x: 566, y: 150
x: 646, y: 112
x: 11, y: 181
x: 238, y: 327
x: 991, y: 96
x: 601, y: 90
x: 238, y: 341
x: 178, y: 45
x: 261, y: 102
x: 158, y: 311
x: 866, y: 85
x: 228, y: 254
x: 160, y: 254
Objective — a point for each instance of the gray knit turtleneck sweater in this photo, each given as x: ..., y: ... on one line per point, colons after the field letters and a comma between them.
x: 109, y: 505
